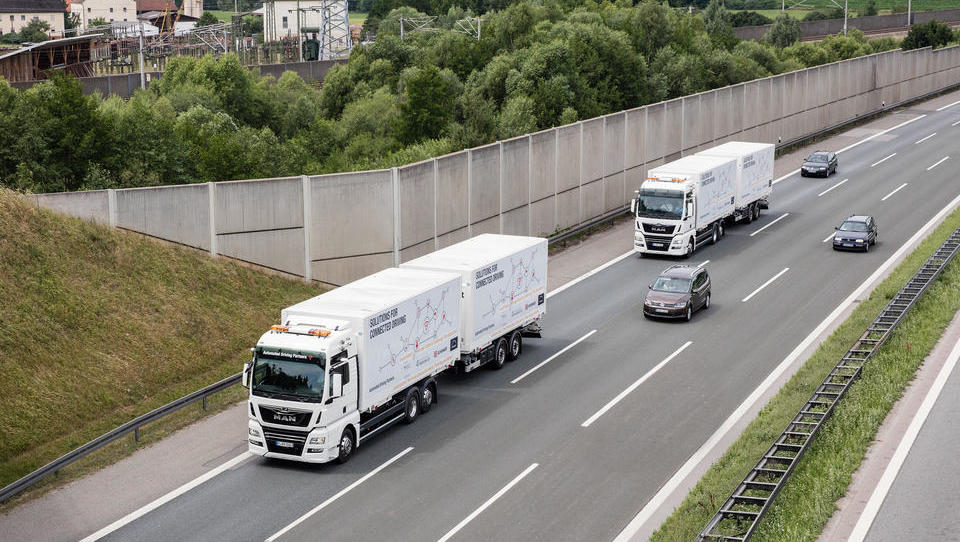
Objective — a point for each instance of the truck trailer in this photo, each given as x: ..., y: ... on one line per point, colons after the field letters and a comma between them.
x: 754, y: 176
x: 346, y: 364
x: 683, y: 205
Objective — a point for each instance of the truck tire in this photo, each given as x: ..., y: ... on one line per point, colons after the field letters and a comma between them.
x: 499, y: 354
x: 756, y: 211
x: 348, y: 443
x: 514, y: 346
x: 691, y: 248
x: 426, y: 397
x: 411, y: 408
x: 716, y: 234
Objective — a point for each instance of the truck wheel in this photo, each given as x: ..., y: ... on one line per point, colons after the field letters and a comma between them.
x: 412, y: 408
x: 756, y: 211
x: 722, y: 230
x: 426, y: 398
x: 691, y: 247
x: 716, y: 235
x: 515, y: 346
x: 748, y: 216
x: 347, y: 445
x: 499, y: 354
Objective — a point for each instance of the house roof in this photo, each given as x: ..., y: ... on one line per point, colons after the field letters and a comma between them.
x: 31, y: 6
x: 157, y: 5
x: 49, y: 43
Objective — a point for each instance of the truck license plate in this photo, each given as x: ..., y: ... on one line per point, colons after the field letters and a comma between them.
x: 656, y: 244
x: 283, y: 444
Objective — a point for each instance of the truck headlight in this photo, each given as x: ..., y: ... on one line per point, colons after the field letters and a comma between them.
x: 253, y: 432
x: 678, y: 241
x: 318, y: 440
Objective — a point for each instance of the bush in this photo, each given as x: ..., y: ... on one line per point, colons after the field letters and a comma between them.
x: 930, y: 34
x: 824, y: 14
x: 784, y: 32
x: 749, y: 18
x: 870, y: 10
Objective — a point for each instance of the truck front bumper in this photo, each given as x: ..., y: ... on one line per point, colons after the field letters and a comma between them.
x: 672, y: 248
x: 266, y: 444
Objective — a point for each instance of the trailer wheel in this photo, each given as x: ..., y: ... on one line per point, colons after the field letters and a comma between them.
x: 722, y: 230
x: 347, y: 445
x: 756, y: 211
x: 716, y: 234
x: 499, y: 354
x: 516, y: 346
x: 426, y: 398
x: 412, y: 406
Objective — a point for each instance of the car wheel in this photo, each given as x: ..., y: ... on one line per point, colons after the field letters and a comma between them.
x: 706, y: 302
x: 689, y: 315
x: 866, y: 246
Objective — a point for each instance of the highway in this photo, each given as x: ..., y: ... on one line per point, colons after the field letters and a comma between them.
x: 573, y: 449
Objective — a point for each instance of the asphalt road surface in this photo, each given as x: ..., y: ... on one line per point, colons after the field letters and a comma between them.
x: 498, y: 460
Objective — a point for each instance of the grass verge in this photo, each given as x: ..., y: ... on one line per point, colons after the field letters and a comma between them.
x: 99, y: 326
x: 809, y: 497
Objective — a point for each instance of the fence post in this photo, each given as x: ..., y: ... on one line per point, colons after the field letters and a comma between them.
x: 500, y: 184
x: 307, y: 226
x: 436, y: 201
x: 112, y: 207
x: 395, y: 177
x: 213, y: 219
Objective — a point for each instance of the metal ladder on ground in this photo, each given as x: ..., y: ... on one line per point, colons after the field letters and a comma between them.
x: 741, y: 513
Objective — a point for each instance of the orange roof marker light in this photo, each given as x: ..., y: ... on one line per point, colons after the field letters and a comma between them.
x: 277, y: 327
x: 320, y: 332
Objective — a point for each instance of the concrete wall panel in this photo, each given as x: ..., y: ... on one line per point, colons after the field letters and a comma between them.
x: 614, y: 192
x: 413, y: 252
x: 636, y: 121
x: 175, y: 213
x: 653, y: 135
x: 690, y: 131
x: 568, y: 209
x: 276, y: 249
x: 670, y: 129
x: 490, y: 225
x: 708, y: 117
x: 568, y: 157
x: 752, y: 108
x: 267, y: 204
x: 453, y: 237
x: 90, y: 205
x: 341, y: 271
x: 543, y: 164
x: 542, y: 217
x: 417, y: 199
x: 517, y: 221
x: 516, y: 173
x: 613, y: 147
x: 591, y: 200
x: 352, y: 214
x: 485, y: 182
x: 452, y: 198
x: 728, y: 114
x: 591, y: 168
x: 634, y: 178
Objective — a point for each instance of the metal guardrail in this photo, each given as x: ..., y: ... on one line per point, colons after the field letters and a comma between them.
x: 101, y: 441
x: 738, y: 517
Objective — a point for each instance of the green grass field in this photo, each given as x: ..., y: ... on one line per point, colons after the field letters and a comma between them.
x: 99, y: 326
x: 808, y: 499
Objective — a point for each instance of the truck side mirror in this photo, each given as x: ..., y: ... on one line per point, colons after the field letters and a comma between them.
x: 337, y: 386
x: 245, y: 377
x: 689, y: 208
x: 633, y: 206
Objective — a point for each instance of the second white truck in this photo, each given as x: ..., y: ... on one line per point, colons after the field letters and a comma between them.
x: 344, y: 365
x: 686, y: 203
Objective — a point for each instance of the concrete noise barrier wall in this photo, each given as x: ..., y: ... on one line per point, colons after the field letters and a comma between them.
x: 873, y: 23
x: 337, y: 228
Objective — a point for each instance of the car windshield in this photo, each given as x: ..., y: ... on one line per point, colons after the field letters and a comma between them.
x: 672, y: 285
x: 852, y: 225
x: 660, y: 204
x: 817, y: 158
x: 289, y: 375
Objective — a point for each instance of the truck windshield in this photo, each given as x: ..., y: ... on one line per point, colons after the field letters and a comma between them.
x: 289, y: 375
x: 660, y: 204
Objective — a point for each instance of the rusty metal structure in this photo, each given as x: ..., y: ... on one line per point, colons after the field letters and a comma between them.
x: 76, y: 55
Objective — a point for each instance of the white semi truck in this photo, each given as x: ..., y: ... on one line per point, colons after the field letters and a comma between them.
x: 346, y: 364
x: 686, y: 203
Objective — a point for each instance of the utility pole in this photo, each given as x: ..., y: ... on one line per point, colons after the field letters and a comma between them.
x: 909, y: 19
x: 845, y: 17
x: 299, y: 33
x: 143, y: 76
x: 401, y: 28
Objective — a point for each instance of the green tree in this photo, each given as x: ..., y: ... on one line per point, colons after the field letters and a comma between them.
x: 35, y: 31
x: 716, y: 21
x: 870, y: 9
x: 784, y: 32
x: 428, y: 104
x: 930, y: 34
x: 749, y: 18
x: 207, y: 19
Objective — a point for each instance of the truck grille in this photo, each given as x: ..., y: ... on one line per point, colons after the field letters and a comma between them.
x: 657, y: 242
x: 662, y: 229
x: 285, y: 416
x: 284, y: 441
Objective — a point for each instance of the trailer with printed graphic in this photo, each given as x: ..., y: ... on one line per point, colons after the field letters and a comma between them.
x: 504, y: 285
x: 346, y: 364
x: 754, y: 182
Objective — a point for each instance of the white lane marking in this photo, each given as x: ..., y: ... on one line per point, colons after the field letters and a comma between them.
x: 167, y: 498
x: 924, y: 139
x: 778, y: 219
x: 553, y: 357
x: 587, y: 275
x: 832, y: 187
x: 895, y: 190
x: 342, y: 492
x: 903, y: 449
x: 829, y: 237
x: 955, y: 123
x: 633, y: 386
x: 487, y: 504
x: 654, y: 504
x: 705, y: 262
x: 794, y: 172
x: 948, y: 105
x: 883, y: 160
x: 765, y: 284
x: 878, y: 134
x: 942, y: 160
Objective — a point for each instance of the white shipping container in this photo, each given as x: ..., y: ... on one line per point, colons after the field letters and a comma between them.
x: 504, y: 283
x: 713, y: 177
x: 407, y: 323
x: 754, y: 169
